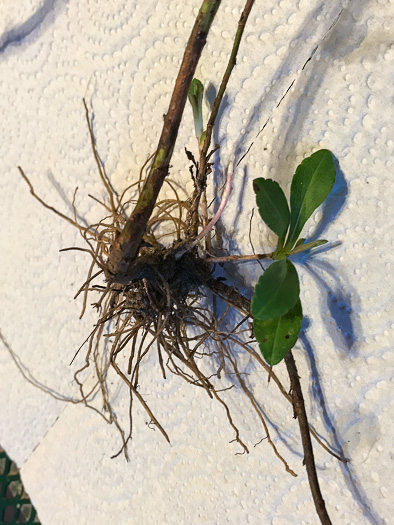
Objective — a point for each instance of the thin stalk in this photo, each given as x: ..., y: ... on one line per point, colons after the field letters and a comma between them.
x: 309, y: 460
x: 204, y: 156
x: 226, y: 77
x: 239, y: 258
x: 126, y: 245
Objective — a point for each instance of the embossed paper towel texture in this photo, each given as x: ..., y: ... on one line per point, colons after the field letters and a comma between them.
x: 123, y: 56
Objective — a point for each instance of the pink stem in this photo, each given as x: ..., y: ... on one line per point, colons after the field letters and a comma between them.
x: 226, y: 193
x: 223, y: 202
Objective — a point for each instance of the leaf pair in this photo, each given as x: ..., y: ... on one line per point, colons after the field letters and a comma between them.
x: 277, y: 311
x: 276, y: 306
x: 312, y: 182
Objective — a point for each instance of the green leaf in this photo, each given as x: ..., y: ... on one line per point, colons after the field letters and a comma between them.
x: 308, y: 246
x: 300, y: 242
x: 312, y: 182
x: 277, y: 336
x: 195, y: 95
x: 273, y: 207
x: 276, y: 292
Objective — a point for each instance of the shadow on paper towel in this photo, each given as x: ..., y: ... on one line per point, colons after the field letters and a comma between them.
x: 18, y: 34
x: 356, y: 441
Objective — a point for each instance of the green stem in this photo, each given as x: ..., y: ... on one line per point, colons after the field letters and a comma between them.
x: 226, y: 77
x: 126, y: 245
x: 204, y: 157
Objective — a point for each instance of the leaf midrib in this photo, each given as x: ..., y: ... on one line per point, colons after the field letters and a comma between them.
x: 299, y: 214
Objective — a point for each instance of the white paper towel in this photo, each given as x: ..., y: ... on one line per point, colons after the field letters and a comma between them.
x: 123, y: 56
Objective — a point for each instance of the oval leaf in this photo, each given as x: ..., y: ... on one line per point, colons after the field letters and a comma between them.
x: 276, y: 292
x: 312, y: 182
x: 277, y: 336
x: 273, y: 207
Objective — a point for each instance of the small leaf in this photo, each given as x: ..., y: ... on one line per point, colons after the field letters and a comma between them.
x: 277, y: 336
x: 308, y: 246
x: 276, y: 292
x: 195, y: 95
x: 299, y: 242
x: 273, y: 207
x: 190, y: 155
x: 312, y: 182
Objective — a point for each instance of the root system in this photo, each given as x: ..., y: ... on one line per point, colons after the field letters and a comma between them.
x: 164, y: 304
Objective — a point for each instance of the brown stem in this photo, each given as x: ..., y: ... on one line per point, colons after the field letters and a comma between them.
x: 239, y: 258
x: 230, y: 295
x: 309, y: 460
x: 126, y: 245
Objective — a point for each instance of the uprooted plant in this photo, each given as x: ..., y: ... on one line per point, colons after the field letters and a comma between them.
x: 155, y: 281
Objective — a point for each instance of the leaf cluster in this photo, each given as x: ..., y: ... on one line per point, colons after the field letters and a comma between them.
x: 276, y: 305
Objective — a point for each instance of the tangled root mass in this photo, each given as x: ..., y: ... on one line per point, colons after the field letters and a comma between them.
x: 164, y: 304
